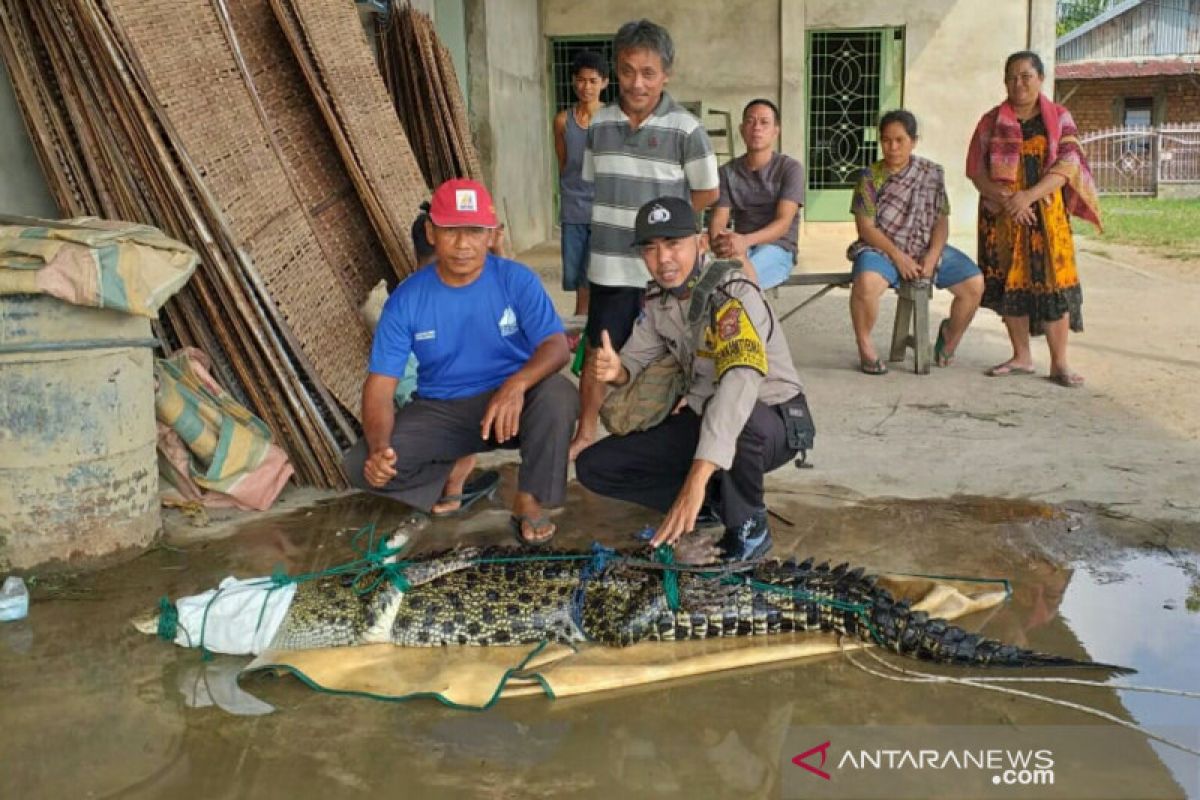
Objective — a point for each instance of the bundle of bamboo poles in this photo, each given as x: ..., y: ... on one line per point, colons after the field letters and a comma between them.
x: 419, y: 73
x: 198, y: 118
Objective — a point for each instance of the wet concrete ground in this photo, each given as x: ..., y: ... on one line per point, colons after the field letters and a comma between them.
x: 89, y: 708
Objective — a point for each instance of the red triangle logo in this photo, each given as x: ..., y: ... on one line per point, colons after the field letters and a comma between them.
x: 823, y: 749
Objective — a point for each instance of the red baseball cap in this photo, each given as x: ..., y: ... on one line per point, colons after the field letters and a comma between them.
x: 461, y: 203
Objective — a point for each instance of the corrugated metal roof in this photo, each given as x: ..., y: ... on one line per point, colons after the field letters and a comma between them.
x: 1126, y: 68
x: 1096, y: 22
x: 1135, y: 29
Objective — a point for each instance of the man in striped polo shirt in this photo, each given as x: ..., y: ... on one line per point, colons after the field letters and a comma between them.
x: 643, y: 147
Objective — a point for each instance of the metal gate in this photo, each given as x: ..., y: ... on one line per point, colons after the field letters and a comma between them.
x: 1135, y: 161
x: 1179, y: 153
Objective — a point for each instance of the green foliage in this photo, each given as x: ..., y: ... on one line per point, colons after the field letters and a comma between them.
x: 1073, y: 13
x: 1170, y: 226
x: 1192, y: 603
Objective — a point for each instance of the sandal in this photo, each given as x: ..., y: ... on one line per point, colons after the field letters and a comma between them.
x: 483, y: 485
x: 875, y: 367
x: 1068, y: 379
x: 1006, y: 369
x: 941, y: 356
x: 517, y: 521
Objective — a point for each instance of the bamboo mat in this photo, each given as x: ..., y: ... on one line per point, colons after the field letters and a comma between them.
x: 331, y: 48
x: 200, y: 79
x: 420, y: 76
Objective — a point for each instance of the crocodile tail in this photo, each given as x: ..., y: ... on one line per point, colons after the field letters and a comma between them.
x: 913, y: 633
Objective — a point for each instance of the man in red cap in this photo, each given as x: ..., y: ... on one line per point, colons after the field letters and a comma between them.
x: 489, y: 346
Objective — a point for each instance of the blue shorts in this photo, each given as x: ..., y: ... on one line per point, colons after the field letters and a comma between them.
x: 576, y: 241
x: 772, y: 263
x: 954, y: 267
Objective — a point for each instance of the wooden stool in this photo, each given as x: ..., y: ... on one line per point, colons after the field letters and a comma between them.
x: 911, y: 328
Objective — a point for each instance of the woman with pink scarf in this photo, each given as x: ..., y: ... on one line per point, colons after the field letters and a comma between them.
x: 1026, y: 161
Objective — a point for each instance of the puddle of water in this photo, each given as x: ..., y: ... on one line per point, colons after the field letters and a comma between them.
x: 1147, y: 616
x: 90, y: 708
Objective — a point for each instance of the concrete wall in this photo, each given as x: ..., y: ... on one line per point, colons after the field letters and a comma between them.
x: 1178, y: 191
x: 451, y: 28
x: 509, y: 113
x: 711, y: 63
x: 730, y: 52
x: 22, y: 186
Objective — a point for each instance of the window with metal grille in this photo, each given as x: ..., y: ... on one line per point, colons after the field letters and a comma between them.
x: 562, y: 52
x: 1139, y: 112
x: 844, y: 85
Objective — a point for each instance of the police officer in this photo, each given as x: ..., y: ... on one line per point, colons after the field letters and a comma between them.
x: 743, y: 413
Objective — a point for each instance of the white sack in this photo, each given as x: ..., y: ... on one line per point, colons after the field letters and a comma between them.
x: 233, y: 624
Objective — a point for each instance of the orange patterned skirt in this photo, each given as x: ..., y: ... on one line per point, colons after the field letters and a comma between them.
x: 1029, y: 271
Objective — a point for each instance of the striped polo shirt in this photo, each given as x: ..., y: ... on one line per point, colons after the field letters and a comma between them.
x: 668, y: 155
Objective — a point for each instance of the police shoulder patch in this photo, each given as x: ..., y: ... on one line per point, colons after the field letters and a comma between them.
x: 733, y: 340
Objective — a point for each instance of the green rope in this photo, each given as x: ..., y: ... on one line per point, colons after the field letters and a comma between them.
x: 168, y: 619
x: 367, y: 530
x: 524, y: 559
x: 375, y: 559
x: 372, y: 562
x: 205, y: 654
x: 859, y: 610
x: 665, y: 555
x: 278, y: 581
x: 371, y: 565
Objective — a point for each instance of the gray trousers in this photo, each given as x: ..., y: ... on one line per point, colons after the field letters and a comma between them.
x: 430, y: 435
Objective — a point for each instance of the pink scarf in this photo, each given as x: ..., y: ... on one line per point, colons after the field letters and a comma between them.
x: 995, y: 151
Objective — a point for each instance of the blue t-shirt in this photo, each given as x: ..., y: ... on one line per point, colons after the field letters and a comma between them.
x: 467, y: 339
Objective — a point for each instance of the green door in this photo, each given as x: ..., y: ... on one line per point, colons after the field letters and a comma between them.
x: 853, y: 77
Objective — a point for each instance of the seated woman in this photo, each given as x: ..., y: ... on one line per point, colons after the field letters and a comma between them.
x: 903, y: 217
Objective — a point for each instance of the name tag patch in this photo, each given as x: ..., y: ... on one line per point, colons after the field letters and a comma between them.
x: 423, y: 336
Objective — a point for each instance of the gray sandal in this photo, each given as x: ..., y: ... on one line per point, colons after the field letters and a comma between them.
x: 876, y: 367
x: 517, y: 521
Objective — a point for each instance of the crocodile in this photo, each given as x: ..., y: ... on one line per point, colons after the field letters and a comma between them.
x: 499, y: 597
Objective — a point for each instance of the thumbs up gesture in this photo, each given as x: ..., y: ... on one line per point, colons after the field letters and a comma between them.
x: 606, y: 364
